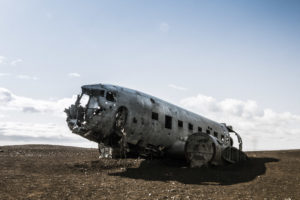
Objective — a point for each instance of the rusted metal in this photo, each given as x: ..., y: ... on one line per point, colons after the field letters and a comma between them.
x: 125, y: 122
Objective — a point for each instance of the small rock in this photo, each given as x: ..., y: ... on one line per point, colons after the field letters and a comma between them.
x: 1, y: 150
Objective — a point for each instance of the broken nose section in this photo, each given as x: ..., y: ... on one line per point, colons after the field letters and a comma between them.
x: 72, y: 123
x: 80, y: 129
x: 75, y: 119
x: 84, y: 122
x: 76, y: 126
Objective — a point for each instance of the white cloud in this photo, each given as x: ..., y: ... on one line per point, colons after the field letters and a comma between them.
x: 33, y: 130
x: 261, y: 129
x: 176, y: 87
x: 15, y: 62
x: 32, y: 133
x: 4, y: 74
x: 12, y: 102
x: 164, y: 27
x: 2, y: 59
x: 27, y: 77
x: 74, y: 75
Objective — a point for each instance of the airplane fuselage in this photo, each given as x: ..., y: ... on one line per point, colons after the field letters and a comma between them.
x: 140, y: 124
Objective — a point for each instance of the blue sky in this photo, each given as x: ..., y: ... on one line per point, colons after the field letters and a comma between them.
x: 175, y: 50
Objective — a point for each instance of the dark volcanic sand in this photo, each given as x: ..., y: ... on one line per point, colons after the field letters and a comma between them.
x: 56, y: 172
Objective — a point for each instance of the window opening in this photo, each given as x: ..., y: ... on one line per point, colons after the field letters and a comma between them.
x: 101, y: 93
x: 180, y: 123
x: 190, y: 126
x: 110, y: 96
x: 84, y: 100
x: 134, y: 120
x: 93, y: 103
x: 215, y: 134
x: 168, y: 122
x: 97, y: 93
x: 154, y: 115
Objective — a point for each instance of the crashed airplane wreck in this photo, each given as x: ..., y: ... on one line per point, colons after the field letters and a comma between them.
x: 129, y: 123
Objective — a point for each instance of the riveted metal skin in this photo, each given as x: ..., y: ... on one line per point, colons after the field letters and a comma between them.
x: 127, y: 122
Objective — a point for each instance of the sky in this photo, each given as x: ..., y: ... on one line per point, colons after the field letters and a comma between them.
x: 236, y: 62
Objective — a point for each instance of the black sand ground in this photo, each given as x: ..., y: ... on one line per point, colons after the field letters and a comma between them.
x: 56, y: 172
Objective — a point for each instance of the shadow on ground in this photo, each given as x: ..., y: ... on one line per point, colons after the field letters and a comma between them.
x: 169, y: 170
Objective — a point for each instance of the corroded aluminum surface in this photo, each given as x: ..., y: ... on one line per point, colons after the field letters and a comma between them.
x: 132, y: 123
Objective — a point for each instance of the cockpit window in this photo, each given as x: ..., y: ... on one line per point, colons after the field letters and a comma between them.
x: 110, y: 96
x: 97, y: 93
x: 93, y: 102
x: 84, y: 100
x: 101, y: 93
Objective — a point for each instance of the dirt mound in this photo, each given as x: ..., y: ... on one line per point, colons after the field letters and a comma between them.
x: 58, y: 172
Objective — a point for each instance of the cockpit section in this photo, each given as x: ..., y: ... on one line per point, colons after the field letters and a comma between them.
x: 87, y: 116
